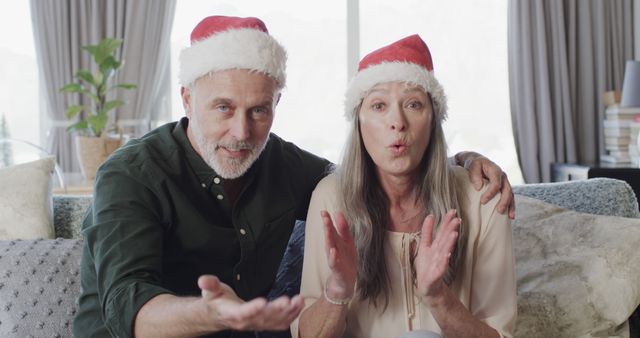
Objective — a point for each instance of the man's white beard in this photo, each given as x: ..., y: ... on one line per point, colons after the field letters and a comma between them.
x: 227, y: 168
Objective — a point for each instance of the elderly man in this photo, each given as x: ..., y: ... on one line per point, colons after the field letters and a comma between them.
x: 190, y: 222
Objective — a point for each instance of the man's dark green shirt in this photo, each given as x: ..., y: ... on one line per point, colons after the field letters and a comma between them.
x: 161, y: 218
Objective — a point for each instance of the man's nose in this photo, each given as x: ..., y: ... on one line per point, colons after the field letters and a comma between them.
x: 240, y: 127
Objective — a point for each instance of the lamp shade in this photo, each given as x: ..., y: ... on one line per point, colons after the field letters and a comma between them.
x: 631, y: 85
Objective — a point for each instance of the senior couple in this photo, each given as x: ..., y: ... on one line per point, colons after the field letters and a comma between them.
x: 190, y: 222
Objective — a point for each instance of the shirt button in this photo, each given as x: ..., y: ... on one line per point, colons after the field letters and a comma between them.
x: 216, y: 180
x: 203, y: 185
x: 242, y: 231
x: 238, y: 277
x: 220, y: 197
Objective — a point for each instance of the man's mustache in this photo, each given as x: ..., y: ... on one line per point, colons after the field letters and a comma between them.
x: 236, y: 146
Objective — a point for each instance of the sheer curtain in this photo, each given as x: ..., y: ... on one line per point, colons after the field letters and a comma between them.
x: 563, y: 55
x: 62, y: 27
x: 146, y: 52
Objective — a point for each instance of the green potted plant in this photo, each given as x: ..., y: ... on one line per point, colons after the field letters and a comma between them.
x: 93, y: 143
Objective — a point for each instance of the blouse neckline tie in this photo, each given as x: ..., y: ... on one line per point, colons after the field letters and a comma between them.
x: 410, y: 243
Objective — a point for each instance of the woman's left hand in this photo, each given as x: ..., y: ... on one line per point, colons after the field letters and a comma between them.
x: 432, y: 259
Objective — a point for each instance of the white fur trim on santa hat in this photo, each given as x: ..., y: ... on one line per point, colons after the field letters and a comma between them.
x: 234, y: 49
x: 394, y: 72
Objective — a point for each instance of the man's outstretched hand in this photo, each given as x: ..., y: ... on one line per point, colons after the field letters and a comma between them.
x: 232, y: 313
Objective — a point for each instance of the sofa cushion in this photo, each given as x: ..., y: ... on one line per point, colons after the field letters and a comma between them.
x: 573, y: 271
x: 600, y: 196
x: 39, y: 287
x: 25, y: 200
x: 289, y: 273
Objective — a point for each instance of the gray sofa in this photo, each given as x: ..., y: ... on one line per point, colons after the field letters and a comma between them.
x: 39, y: 279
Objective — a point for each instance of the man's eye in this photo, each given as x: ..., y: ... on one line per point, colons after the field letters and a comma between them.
x: 377, y: 106
x: 222, y: 108
x: 260, y: 113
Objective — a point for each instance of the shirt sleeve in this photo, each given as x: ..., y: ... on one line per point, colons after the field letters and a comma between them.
x: 315, y: 267
x: 124, y: 236
x: 493, y: 292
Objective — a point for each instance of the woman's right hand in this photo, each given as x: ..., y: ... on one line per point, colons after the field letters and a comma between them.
x: 341, y: 255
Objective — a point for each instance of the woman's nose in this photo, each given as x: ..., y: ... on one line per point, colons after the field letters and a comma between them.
x: 398, y: 126
x: 398, y: 121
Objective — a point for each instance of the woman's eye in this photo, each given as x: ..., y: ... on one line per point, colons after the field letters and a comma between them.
x: 416, y: 105
x: 377, y: 106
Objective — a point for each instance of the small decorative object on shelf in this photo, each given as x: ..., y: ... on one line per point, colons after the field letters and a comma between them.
x: 631, y: 85
x: 631, y: 100
x: 93, y: 142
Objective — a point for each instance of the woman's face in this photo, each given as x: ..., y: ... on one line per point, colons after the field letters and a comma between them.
x: 395, y: 123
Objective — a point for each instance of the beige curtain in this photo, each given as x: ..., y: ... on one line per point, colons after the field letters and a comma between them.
x: 563, y: 54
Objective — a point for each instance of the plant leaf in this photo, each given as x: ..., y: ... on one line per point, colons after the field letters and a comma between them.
x: 72, y: 88
x: 112, y: 105
x: 92, y: 95
x: 73, y: 110
x: 97, y: 123
x: 126, y: 86
x: 80, y: 125
x: 99, y: 78
x: 103, y: 50
x: 109, y: 65
x: 86, y: 76
x: 92, y: 49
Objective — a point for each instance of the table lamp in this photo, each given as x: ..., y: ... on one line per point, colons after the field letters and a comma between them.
x: 631, y: 85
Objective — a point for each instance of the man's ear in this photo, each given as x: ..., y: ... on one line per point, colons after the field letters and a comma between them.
x: 186, y: 101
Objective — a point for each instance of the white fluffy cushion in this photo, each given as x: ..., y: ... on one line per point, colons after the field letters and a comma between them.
x: 578, y: 274
x: 25, y: 200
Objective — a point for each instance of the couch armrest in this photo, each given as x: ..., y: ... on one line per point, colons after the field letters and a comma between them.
x: 599, y: 196
x: 68, y: 213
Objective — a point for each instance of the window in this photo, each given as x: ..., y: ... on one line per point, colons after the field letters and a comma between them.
x: 468, y: 42
x: 19, y: 94
x: 310, y: 112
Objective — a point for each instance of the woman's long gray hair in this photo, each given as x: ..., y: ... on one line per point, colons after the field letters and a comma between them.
x: 366, y: 206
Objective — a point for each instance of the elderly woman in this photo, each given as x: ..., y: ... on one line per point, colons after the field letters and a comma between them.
x: 397, y: 239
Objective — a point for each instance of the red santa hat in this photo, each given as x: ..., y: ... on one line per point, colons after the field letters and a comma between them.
x: 220, y: 43
x: 406, y: 60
